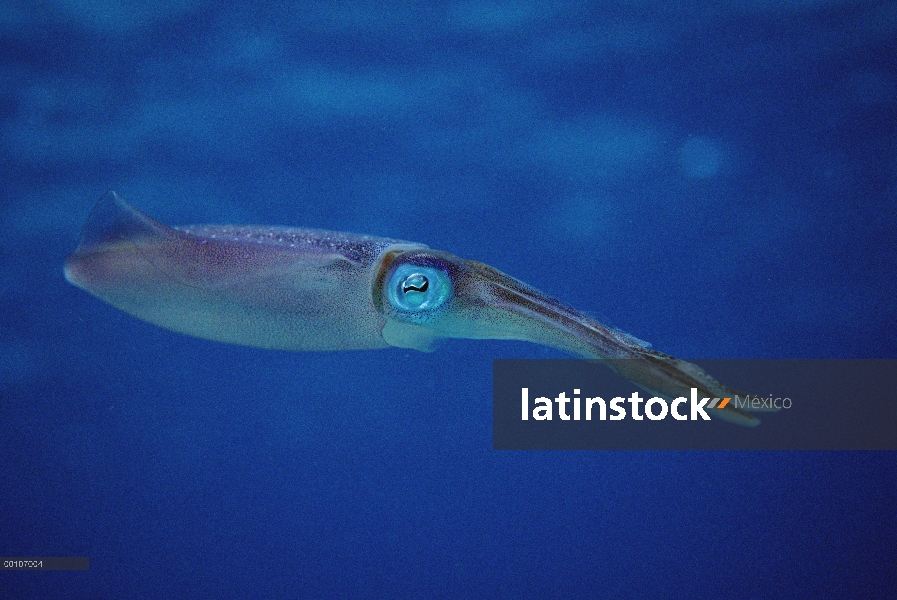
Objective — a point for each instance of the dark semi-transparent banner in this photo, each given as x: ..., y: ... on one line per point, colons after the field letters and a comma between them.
x: 695, y: 405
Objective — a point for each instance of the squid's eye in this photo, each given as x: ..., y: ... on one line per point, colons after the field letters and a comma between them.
x: 413, y: 288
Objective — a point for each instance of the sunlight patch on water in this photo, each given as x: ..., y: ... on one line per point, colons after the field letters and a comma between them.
x: 483, y: 16
x: 602, y: 148
x: 119, y: 18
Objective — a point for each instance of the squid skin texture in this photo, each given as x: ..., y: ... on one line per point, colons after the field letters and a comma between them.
x: 308, y: 289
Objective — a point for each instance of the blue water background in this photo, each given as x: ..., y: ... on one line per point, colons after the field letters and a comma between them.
x: 718, y: 178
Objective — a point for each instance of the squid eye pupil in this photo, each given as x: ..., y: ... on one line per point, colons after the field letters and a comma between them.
x: 416, y: 291
x: 415, y: 283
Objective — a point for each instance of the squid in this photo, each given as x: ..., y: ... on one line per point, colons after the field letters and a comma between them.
x: 312, y: 290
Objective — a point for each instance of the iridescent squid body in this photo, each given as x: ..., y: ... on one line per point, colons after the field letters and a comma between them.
x: 309, y: 289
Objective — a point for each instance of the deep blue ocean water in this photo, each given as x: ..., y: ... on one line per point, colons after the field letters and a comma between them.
x: 718, y: 178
